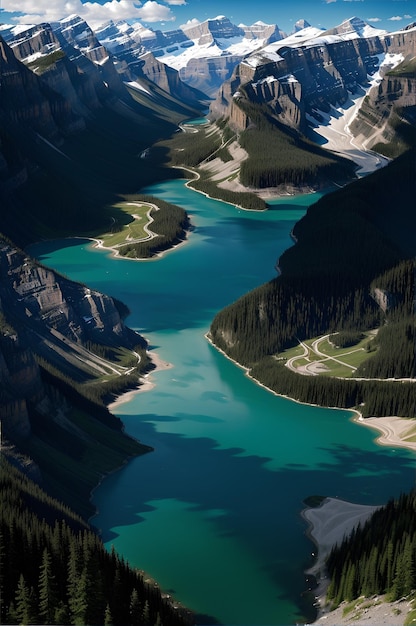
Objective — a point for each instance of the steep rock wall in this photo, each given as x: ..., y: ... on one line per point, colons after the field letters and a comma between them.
x: 296, y: 80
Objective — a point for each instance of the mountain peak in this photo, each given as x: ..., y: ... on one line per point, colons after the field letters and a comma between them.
x: 354, y: 26
x: 300, y: 25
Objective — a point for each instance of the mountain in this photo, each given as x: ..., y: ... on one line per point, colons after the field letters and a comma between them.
x: 354, y: 27
x: 204, y: 54
x: 58, y: 339
x: 364, y: 249
x: 74, y: 37
x: 313, y: 72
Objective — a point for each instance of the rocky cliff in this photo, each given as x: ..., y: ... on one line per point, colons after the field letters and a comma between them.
x: 168, y: 79
x: 135, y: 51
x: 387, y: 118
x: 28, y: 102
x: 70, y: 60
x: 295, y: 78
x: 45, y: 314
x: 292, y: 81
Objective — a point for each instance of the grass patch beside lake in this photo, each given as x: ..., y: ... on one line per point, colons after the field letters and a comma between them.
x: 128, y: 222
x: 336, y: 362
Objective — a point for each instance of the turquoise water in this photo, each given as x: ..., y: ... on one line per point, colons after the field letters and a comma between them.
x: 214, y: 512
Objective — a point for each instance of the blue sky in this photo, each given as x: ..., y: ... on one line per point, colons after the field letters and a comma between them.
x: 169, y: 14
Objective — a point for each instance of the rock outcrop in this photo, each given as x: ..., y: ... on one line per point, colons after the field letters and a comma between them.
x: 293, y: 79
x: 26, y: 100
x: 198, y: 52
x: 56, y: 319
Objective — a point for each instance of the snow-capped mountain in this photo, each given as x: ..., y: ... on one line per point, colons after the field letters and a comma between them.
x: 79, y: 43
x: 355, y: 27
x: 302, y: 79
x: 204, y: 54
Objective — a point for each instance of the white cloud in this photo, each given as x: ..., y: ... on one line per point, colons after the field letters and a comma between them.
x: 407, y: 17
x: 395, y: 18
x: 330, y: 1
x: 34, y: 11
x: 155, y: 12
x: 374, y: 19
x: 192, y: 22
x: 353, y: 0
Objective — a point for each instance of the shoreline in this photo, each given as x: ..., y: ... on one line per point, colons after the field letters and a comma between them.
x: 390, y: 428
x: 327, y: 525
x: 146, y: 384
x: 334, y: 518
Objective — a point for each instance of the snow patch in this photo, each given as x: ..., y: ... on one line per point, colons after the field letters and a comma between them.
x: 139, y: 87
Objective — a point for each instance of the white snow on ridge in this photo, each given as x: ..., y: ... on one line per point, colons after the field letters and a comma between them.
x: 335, y: 130
x: 306, y: 34
x: 265, y: 54
x: 139, y: 87
x: 370, y: 31
x: 20, y: 28
x: 232, y: 46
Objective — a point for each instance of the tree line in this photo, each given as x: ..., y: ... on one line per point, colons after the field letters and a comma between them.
x: 55, y: 570
x: 349, y: 245
x: 378, y: 557
x: 279, y: 156
x: 170, y: 223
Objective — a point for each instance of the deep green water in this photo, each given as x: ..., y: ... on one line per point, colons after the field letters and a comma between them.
x: 214, y: 512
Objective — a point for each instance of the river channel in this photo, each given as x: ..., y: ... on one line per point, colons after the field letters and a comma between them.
x: 214, y: 512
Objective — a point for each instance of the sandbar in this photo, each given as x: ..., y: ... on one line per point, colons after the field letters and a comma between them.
x: 329, y: 523
x: 394, y: 431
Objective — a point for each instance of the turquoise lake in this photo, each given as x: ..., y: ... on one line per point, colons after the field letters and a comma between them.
x: 214, y: 512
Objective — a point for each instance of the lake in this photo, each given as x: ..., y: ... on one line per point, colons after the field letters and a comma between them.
x: 214, y: 512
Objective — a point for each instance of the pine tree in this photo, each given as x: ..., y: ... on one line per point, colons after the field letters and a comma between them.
x: 24, y: 606
x: 108, y: 619
x: 77, y: 603
x: 48, y: 601
x: 135, y: 608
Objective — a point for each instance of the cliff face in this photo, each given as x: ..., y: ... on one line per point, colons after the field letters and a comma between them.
x: 81, y: 69
x: 40, y: 297
x: 208, y: 74
x: 388, y: 113
x: 26, y: 101
x: 293, y: 80
x: 55, y: 318
x: 167, y: 79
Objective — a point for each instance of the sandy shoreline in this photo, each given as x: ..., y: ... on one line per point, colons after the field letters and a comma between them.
x: 394, y: 431
x: 146, y: 382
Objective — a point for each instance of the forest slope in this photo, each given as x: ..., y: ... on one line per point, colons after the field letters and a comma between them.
x: 352, y: 246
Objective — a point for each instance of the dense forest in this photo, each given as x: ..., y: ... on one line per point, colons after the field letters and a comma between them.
x: 170, y: 222
x: 352, y: 269
x: 55, y: 570
x: 378, y: 557
x: 192, y: 149
x: 304, y: 163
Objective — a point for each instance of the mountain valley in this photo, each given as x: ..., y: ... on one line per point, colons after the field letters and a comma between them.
x: 88, y: 118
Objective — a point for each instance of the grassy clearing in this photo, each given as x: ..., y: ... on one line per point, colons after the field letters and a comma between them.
x: 336, y: 362
x: 129, y: 222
